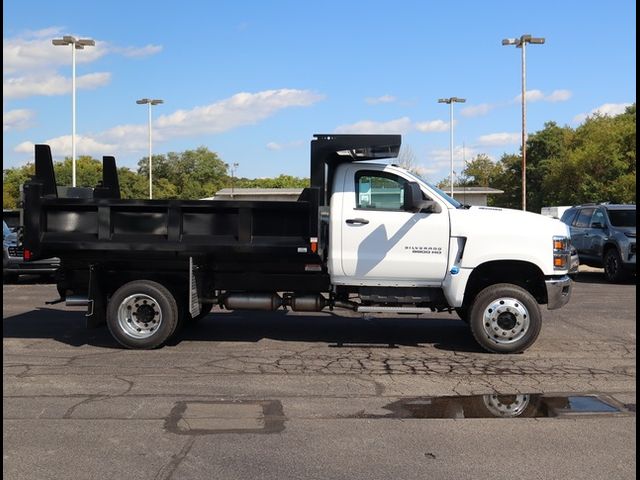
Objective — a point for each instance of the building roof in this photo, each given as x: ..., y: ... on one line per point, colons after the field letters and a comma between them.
x: 486, y: 190
x: 259, y: 191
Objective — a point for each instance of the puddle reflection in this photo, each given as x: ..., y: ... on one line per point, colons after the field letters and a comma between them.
x: 498, y: 406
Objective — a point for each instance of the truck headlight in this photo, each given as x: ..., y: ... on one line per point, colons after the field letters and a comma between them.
x: 561, y: 253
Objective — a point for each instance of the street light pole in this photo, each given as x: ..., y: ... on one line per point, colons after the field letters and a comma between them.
x: 76, y: 44
x: 451, y: 101
x: 150, y: 101
x: 233, y: 170
x: 522, y: 43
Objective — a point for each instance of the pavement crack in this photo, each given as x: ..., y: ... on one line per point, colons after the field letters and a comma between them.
x: 167, y: 471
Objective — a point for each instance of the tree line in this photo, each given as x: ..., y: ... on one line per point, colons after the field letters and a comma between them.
x: 594, y: 162
x: 192, y: 174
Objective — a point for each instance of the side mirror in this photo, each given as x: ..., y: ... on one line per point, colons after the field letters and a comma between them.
x: 415, y: 202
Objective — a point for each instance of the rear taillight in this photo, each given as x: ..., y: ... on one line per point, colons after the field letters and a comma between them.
x: 26, y: 254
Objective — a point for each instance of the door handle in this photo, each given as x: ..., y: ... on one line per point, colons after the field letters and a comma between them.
x: 357, y: 221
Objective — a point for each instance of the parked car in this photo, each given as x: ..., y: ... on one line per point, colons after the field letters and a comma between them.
x: 13, y: 265
x: 604, y: 236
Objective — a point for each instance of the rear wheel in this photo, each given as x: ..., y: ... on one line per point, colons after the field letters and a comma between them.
x: 142, y: 314
x: 505, y: 318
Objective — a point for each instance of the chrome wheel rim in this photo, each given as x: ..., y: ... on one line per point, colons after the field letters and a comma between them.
x: 505, y: 320
x: 506, y: 405
x: 139, y: 316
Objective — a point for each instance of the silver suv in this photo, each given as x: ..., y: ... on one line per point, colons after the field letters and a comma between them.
x: 605, y: 236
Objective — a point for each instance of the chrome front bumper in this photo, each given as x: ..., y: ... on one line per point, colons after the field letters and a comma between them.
x: 558, y: 291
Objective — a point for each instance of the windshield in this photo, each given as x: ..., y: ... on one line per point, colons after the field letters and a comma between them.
x: 622, y: 218
x: 5, y: 229
x: 446, y: 197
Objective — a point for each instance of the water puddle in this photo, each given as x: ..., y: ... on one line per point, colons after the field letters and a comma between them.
x: 501, y: 406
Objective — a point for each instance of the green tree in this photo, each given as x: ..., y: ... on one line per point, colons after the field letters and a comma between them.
x: 549, y: 145
x: 480, y: 172
x: 508, y: 180
x: 12, y: 180
x: 600, y: 164
x: 191, y: 174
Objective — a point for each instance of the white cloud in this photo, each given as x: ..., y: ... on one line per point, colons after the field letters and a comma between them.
x: 138, y: 52
x: 236, y: 111
x: 281, y: 146
x: 399, y: 125
x: 34, y: 51
x: 609, y: 109
x: 274, y: 146
x: 22, y: 87
x: 477, y: 110
x: 499, y: 139
x: 532, y: 96
x: 540, y: 96
x: 381, y: 99
x: 433, y: 126
x: 424, y: 172
x: 440, y: 160
x: 18, y: 119
x: 559, y: 96
x: 31, y: 62
x: 61, y: 146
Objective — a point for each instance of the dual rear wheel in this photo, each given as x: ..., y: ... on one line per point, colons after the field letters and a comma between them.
x: 144, y: 314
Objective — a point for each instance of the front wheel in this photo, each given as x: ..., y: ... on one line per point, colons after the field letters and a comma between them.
x: 613, y: 266
x: 505, y: 318
x: 142, y: 314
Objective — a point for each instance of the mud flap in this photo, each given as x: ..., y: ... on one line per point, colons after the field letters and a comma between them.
x: 194, y: 301
x: 97, y: 309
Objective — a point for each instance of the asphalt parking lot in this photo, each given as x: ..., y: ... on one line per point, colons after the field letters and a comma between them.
x: 285, y: 395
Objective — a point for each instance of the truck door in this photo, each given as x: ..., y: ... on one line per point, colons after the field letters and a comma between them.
x: 381, y: 241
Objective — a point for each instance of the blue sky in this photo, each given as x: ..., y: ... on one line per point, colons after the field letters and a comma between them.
x: 254, y: 80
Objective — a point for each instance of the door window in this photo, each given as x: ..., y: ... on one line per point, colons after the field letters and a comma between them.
x: 379, y: 191
x: 583, y: 219
x: 598, y: 217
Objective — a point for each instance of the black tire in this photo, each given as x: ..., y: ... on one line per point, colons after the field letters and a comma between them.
x: 505, y: 318
x: 142, y: 314
x: 613, y: 269
x: 10, y: 277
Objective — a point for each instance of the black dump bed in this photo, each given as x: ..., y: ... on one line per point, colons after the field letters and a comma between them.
x: 106, y: 224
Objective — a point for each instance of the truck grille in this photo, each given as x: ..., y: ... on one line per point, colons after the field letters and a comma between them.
x: 15, y: 252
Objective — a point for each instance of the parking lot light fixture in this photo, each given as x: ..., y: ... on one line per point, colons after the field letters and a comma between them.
x: 451, y: 101
x: 521, y: 43
x: 150, y: 102
x: 76, y: 44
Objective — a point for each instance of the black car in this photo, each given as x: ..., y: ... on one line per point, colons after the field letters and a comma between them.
x: 13, y: 265
x: 604, y: 236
